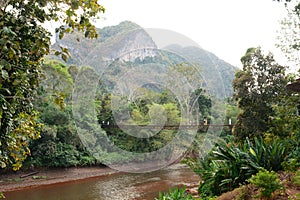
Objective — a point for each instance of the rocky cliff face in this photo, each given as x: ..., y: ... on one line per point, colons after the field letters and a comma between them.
x: 120, y: 47
x: 126, y: 41
x: 132, y: 45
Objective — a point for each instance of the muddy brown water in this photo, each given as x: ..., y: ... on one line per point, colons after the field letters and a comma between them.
x: 113, y: 187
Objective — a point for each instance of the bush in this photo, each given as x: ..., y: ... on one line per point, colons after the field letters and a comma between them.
x: 65, y: 156
x: 267, y: 181
x: 86, y: 160
x: 296, y: 178
x: 53, y: 115
x: 268, y: 155
x: 49, y: 152
x: 176, y: 194
x: 229, y: 165
x: 223, y: 169
x: 292, y: 162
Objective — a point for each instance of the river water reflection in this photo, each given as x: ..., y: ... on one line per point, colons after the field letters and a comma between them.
x: 113, y: 187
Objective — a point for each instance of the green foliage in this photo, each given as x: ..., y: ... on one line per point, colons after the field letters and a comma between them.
x: 296, y: 178
x: 21, y: 53
x: 175, y: 194
x: 2, y: 195
x: 56, y: 85
x: 223, y: 169
x: 59, y: 145
x: 147, y: 108
x: 27, y: 129
x: 173, y: 114
x: 57, y: 10
x: 232, y: 111
x: 65, y: 156
x: 24, y: 43
x: 286, y: 121
x: 292, y: 162
x: 257, y: 88
x: 205, y: 62
x: 52, y: 153
x: 267, y: 181
x: 150, y: 105
x: 229, y: 164
x: 285, y: 125
x: 289, y: 39
x: 42, y: 151
x: 53, y: 115
x: 57, y: 78
x: 268, y: 155
x: 73, y: 71
x: 202, y: 103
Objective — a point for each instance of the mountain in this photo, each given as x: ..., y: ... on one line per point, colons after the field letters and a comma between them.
x: 217, y: 73
x: 127, y: 50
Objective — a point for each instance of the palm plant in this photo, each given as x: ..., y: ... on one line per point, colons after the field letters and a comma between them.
x: 228, y: 164
x: 268, y: 155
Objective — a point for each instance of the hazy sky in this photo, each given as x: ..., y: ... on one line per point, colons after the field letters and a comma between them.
x: 225, y: 27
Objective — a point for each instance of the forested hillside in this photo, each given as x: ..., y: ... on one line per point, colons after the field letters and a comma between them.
x: 162, y: 87
x: 130, y: 44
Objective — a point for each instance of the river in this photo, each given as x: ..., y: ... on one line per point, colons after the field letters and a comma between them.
x: 120, y: 186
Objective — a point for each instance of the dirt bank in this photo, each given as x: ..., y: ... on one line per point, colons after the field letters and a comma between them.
x: 43, y: 177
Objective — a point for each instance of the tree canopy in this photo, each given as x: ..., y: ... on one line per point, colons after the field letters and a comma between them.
x: 23, y: 44
x: 289, y: 37
x: 256, y: 88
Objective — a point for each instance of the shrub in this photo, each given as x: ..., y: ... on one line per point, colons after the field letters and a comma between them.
x: 65, y: 156
x: 268, y: 155
x: 229, y: 165
x: 176, y: 194
x: 267, y: 181
x: 296, y: 178
x: 53, y: 115
x: 292, y: 162
x: 223, y: 169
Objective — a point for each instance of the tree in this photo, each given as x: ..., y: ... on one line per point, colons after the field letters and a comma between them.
x: 23, y: 45
x: 232, y: 111
x: 187, y: 81
x: 257, y: 88
x: 203, y: 104
x: 289, y: 38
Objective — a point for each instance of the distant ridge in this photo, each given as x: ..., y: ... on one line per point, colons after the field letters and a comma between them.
x: 129, y: 44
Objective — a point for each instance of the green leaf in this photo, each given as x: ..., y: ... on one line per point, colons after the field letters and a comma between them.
x: 4, y: 74
x: 86, y: 34
x: 64, y: 57
x: 16, y: 82
x: 61, y: 35
x: 57, y: 53
x: 3, y: 165
x: 252, y: 152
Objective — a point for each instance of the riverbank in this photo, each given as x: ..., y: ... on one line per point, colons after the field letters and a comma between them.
x: 96, y: 183
x: 21, y: 180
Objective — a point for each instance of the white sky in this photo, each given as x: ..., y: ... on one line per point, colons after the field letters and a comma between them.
x: 227, y: 28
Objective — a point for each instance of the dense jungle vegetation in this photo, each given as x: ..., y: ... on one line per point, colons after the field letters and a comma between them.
x: 37, y: 113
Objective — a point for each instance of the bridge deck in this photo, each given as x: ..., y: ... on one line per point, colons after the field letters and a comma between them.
x: 168, y: 127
